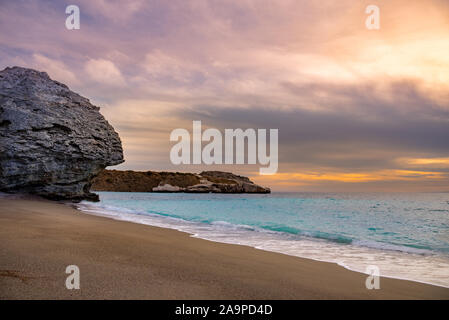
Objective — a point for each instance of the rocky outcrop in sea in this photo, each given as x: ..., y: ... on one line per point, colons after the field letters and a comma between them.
x: 52, y: 140
x: 151, y: 181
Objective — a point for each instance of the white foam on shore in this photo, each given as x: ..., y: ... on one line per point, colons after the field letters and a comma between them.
x: 415, y: 265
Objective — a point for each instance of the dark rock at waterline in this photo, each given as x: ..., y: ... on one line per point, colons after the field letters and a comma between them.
x: 52, y: 140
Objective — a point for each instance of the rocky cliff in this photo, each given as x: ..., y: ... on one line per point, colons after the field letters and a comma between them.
x: 150, y: 181
x: 52, y: 140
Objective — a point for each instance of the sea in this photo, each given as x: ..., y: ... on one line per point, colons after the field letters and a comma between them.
x: 404, y: 235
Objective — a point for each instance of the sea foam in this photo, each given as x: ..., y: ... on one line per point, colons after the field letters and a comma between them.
x: 245, y: 220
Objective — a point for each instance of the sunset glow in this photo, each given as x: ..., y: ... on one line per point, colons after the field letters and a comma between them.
x: 356, y: 109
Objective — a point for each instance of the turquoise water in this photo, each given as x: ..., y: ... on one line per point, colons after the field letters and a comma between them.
x: 349, y: 229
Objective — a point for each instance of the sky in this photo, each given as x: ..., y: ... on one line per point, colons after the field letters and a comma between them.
x: 356, y: 109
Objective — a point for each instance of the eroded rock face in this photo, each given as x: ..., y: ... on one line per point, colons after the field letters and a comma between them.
x: 52, y: 140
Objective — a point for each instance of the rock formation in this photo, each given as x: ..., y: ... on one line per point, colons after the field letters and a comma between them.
x: 52, y: 140
x: 150, y: 181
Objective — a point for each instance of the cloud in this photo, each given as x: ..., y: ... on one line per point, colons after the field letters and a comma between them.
x: 105, y: 72
x: 113, y: 10
x: 360, y: 129
x: 347, y: 101
x: 161, y: 65
x: 56, y: 69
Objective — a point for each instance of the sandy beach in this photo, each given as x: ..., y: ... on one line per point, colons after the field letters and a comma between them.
x: 123, y: 260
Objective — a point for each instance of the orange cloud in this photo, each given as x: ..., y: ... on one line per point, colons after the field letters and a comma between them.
x: 281, y: 178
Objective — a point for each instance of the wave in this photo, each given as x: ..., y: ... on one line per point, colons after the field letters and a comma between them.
x: 280, y: 229
x: 396, y: 261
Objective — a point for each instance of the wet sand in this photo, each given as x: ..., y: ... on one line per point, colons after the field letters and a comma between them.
x: 124, y: 260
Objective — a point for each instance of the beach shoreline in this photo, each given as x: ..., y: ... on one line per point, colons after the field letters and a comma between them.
x: 125, y: 260
x: 394, y: 261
